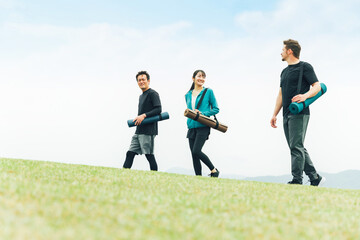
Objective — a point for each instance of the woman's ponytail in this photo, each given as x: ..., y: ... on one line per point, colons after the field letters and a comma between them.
x: 192, y: 86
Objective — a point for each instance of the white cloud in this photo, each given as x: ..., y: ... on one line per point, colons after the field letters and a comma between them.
x: 9, y: 4
x: 315, y: 18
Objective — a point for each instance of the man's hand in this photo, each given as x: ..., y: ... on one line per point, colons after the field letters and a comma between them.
x: 299, y: 98
x: 273, y: 122
x: 315, y: 88
x: 139, y: 119
x: 278, y: 106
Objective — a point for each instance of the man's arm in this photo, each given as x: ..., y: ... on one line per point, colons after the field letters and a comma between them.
x: 278, y: 106
x: 315, y: 88
x: 139, y: 119
x: 155, y: 99
x: 155, y: 111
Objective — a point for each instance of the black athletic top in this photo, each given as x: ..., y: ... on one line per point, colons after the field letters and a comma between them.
x: 289, y: 84
x: 149, y: 103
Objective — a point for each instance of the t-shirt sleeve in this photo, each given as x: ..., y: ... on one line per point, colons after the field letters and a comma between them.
x: 282, y: 72
x: 309, y: 74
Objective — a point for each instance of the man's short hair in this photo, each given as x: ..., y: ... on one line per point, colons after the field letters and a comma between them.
x: 143, y: 73
x: 294, y: 46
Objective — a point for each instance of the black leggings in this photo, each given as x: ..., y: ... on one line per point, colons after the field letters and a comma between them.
x: 196, y: 145
x: 130, y: 159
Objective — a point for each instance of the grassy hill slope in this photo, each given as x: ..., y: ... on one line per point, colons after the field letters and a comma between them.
x: 43, y: 200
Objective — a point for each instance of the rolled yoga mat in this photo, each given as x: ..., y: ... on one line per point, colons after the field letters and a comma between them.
x: 205, y: 120
x: 296, y: 108
x: 160, y: 117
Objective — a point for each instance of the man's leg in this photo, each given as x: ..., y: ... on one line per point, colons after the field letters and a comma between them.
x: 152, y: 161
x: 309, y: 168
x: 286, y: 132
x: 129, y: 159
x: 133, y: 150
x: 147, y: 144
x: 295, y: 128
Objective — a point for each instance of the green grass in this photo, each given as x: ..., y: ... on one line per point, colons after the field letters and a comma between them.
x: 43, y: 200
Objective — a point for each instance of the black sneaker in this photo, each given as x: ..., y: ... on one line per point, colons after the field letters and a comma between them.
x: 318, y: 182
x: 215, y: 174
x: 294, y: 182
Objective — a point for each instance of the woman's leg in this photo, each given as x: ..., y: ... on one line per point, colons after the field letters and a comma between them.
x: 196, y: 159
x: 199, y: 142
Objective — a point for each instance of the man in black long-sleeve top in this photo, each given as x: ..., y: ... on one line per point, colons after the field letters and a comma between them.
x: 143, y: 140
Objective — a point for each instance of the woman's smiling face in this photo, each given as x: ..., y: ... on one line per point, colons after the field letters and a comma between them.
x: 199, y: 78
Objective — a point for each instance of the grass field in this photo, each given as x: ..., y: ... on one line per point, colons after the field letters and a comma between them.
x: 44, y: 200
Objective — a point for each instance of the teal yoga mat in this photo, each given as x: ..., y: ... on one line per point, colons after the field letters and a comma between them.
x: 160, y: 117
x: 296, y: 108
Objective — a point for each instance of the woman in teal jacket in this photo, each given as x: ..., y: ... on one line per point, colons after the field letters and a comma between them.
x: 198, y: 133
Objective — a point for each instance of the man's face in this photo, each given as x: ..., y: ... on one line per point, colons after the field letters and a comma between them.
x: 143, y: 82
x: 285, y: 53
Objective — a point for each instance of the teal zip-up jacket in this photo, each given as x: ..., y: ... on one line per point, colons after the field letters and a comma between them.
x: 208, y: 107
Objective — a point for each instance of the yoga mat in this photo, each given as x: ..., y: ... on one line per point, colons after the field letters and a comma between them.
x: 160, y: 117
x: 296, y: 108
x: 205, y: 120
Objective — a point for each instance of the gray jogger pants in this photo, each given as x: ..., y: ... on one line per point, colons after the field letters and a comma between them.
x: 295, y: 127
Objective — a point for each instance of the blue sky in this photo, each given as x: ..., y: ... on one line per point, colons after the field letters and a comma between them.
x: 134, y: 13
x: 67, y: 78
x: 142, y: 15
x: 202, y: 15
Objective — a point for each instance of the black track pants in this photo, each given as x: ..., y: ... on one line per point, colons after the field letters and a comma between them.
x: 196, y: 145
x: 130, y: 159
x: 152, y: 162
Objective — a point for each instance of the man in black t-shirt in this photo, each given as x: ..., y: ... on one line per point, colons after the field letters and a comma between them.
x: 295, y: 125
x: 143, y: 140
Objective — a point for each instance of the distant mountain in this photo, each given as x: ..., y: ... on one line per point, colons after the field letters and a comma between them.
x: 349, y: 179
